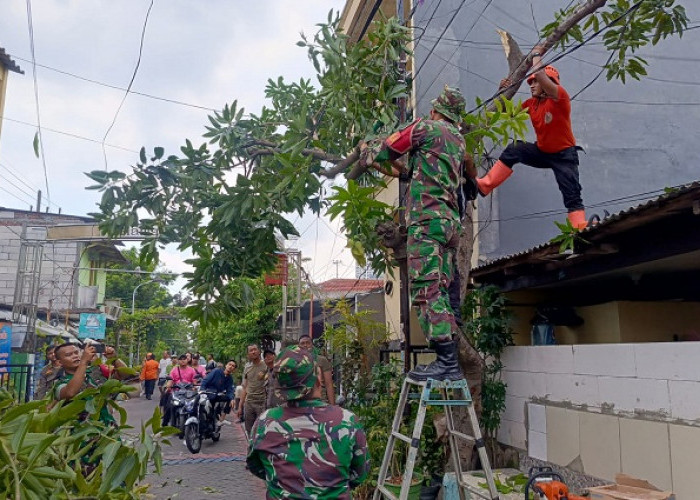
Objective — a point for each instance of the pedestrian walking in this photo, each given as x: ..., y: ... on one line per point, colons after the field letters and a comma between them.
x: 149, y: 374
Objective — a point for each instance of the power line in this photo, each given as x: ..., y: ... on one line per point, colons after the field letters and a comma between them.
x: 30, y: 26
x: 128, y: 88
x: 30, y: 195
x: 13, y: 173
x: 425, y: 28
x: 15, y: 196
x: 438, y: 40
x: 69, y: 134
x: 437, y: 74
x: 568, y: 51
x: 116, y: 87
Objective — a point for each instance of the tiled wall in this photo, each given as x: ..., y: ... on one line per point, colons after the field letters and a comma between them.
x: 608, y: 408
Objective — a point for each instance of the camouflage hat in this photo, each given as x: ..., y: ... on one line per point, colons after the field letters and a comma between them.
x: 295, y: 369
x: 450, y: 103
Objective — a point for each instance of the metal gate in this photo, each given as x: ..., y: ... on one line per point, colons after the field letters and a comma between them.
x: 18, y: 380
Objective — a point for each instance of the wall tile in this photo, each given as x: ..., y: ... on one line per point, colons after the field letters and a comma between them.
x: 562, y: 435
x: 515, y: 409
x: 645, y: 451
x: 537, y: 445
x: 537, y: 418
x: 515, y: 358
x: 668, y: 360
x: 600, y: 445
x: 513, y: 434
x: 551, y: 359
x: 685, y: 399
x: 605, y: 359
x: 525, y: 384
x: 630, y: 394
x: 577, y: 389
x: 685, y: 443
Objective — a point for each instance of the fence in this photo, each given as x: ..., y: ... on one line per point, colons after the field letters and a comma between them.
x: 18, y: 380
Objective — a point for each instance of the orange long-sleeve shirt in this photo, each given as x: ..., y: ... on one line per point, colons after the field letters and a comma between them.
x: 150, y: 370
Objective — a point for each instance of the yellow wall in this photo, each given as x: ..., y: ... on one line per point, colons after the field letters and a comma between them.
x: 613, y: 322
x: 658, y: 321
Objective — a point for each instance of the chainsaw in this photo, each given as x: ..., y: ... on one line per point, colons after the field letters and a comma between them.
x: 548, y: 485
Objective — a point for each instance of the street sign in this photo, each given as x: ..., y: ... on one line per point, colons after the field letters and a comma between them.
x: 5, y: 345
x: 92, y: 325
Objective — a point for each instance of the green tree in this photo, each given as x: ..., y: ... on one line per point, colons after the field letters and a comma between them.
x: 311, y: 131
x: 229, y: 338
x: 122, y: 285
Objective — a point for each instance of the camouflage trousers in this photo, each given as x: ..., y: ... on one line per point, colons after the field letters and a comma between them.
x: 431, y: 251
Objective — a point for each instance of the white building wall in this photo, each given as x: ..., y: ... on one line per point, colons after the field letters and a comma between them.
x: 608, y: 408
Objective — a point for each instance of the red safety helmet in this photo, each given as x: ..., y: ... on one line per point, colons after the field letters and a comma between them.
x: 550, y: 71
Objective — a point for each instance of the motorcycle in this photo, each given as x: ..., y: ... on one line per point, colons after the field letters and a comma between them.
x: 183, y: 399
x: 202, y: 423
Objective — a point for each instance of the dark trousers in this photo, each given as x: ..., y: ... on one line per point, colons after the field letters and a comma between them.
x: 564, y: 164
x: 149, y: 386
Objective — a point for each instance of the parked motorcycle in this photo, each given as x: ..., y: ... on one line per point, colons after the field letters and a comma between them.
x: 183, y: 399
x: 202, y: 422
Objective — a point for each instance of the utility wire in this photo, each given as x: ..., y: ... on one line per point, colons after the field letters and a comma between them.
x: 128, y: 88
x: 563, y: 54
x: 30, y: 26
x: 33, y: 189
x: 437, y: 74
x: 69, y: 134
x: 447, y: 26
x: 116, y: 87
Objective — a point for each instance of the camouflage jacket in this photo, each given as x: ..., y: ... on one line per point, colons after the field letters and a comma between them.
x: 435, y: 163
x: 309, y: 450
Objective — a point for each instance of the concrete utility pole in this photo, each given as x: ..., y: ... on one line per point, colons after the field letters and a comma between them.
x: 336, y: 263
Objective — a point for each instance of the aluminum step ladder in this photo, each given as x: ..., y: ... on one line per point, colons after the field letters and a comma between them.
x: 413, y: 441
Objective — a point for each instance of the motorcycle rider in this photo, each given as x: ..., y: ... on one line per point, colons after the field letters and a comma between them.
x: 220, y: 381
x: 181, y: 373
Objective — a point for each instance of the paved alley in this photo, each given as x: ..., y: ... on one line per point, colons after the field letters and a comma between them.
x: 218, y: 471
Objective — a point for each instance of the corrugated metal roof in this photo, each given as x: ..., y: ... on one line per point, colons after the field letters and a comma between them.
x: 607, y: 225
x: 350, y: 285
x: 7, y: 61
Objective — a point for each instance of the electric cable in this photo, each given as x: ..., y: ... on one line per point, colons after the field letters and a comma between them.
x: 447, y: 26
x: 437, y: 74
x: 131, y: 82
x: 116, y: 87
x: 40, y: 137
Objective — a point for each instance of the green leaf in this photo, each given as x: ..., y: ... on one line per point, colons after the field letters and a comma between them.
x: 35, y: 144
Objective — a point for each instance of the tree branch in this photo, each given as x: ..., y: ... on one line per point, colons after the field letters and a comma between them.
x: 518, y: 67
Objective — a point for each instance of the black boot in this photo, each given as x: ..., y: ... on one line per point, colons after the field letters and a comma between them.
x: 445, y: 367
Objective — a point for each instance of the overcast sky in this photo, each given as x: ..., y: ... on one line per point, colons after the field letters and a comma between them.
x: 205, y: 53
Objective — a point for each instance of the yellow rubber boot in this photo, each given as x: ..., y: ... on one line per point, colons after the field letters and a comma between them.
x: 578, y: 219
x: 494, y: 178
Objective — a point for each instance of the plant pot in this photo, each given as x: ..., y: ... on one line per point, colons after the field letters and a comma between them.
x: 413, y: 491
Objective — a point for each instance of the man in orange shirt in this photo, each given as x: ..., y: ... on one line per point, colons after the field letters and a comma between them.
x: 550, y: 112
x: 149, y: 374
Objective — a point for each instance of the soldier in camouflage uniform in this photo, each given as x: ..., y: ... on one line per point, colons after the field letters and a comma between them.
x: 307, y: 448
x: 436, y: 160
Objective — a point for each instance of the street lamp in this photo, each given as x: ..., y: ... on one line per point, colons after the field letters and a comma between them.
x: 133, y: 303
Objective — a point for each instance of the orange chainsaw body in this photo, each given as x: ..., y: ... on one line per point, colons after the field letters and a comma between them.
x: 554, y: 490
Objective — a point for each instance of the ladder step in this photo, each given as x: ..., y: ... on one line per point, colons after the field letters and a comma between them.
x: 402, y: 437
x: 461, y: 435
x: 388, y: 494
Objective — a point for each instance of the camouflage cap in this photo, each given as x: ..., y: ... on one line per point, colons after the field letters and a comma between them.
x: 295, y: 369
x: 450, y: 103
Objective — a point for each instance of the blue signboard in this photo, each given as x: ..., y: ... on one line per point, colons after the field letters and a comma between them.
x: 5, y: 345
x: 92, y: 325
